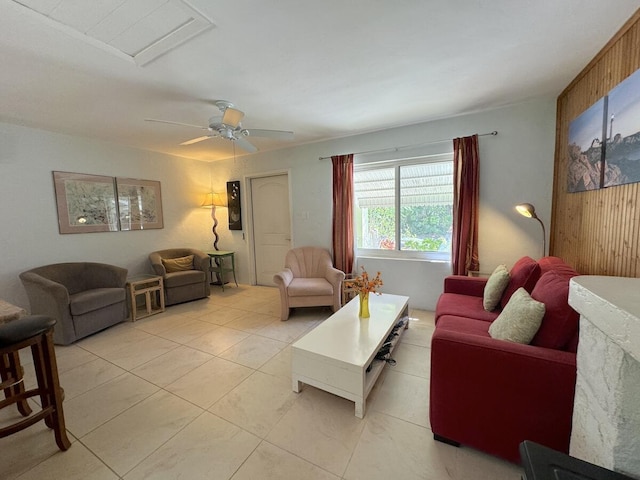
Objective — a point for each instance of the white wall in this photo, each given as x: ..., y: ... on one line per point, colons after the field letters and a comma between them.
x: 516, y: 166
x: 29, y: 234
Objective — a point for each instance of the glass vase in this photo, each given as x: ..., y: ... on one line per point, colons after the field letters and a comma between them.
x: 364, y: 305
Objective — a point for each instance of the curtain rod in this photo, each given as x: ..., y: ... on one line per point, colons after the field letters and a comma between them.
x: 494, y: 133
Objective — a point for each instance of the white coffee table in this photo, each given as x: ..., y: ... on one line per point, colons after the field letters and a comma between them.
x: 335, y: 355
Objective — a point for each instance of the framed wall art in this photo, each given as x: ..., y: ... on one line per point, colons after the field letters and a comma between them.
x: 233, y: 203
x: 604, y: 141
x: 622, y: 153
x: 139, y: 204
x: 586, y: 149
x: 86, y: 203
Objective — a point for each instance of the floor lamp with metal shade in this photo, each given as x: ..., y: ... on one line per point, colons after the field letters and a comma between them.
x: 214, y: 200
x: 529, y: 211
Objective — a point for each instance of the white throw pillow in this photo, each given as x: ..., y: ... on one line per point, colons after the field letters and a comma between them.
x: 494, y: 287
x: 520, y: 320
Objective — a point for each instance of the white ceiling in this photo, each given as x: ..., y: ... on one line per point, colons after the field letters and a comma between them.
x: 323, y: 69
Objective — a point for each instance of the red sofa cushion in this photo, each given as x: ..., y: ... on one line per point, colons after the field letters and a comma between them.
x: 550, y: 263
x: 560, y: 322
x: 525, y: 273
x: 465, y: 285
x: 463, y: 306
x: 464, y: 325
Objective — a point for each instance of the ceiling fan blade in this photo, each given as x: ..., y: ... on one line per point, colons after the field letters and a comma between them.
x: 196, y: 140
x: 279, y: 134
x: 175, y: 123
x: 245, y: 144
x: 232, y: 117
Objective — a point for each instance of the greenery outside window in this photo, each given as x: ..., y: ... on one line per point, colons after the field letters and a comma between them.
x: 404, y: 208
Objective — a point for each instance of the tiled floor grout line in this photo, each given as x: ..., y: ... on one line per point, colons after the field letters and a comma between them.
x: 246, y: 459
x: 346, y: 467
x: 96, y: 455
x: 165, y: 442
x: 302, y: 458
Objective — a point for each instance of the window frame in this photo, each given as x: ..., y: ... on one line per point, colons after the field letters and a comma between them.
x: 396, y: 164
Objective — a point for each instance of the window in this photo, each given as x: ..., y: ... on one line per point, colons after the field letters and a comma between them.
x: 404, y: 207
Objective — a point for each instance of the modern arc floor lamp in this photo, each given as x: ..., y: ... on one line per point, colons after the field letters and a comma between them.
x: 214, y: 200
x: 529, y: 211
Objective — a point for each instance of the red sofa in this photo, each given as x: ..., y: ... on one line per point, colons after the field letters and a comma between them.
x: 492, y: 394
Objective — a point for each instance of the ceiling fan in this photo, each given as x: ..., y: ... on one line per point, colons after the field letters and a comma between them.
x: 229, y: 126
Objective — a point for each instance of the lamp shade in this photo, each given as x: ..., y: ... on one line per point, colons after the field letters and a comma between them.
x: 527, y: 210
x: 214, y: 200
x: 232, y: 117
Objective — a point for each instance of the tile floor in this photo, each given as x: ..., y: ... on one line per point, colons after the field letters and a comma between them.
x: 203, y: 391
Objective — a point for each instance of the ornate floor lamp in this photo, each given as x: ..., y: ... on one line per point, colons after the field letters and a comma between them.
x: 214, y: 200
x: 529, y: 211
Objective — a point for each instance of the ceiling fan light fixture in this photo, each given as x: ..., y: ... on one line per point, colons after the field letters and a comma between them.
x: 228, y: 126
x: 232, y: 117
x: 226, y: 132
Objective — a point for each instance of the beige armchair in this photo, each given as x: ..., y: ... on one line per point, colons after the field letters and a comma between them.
x: 308, y: 280
x: 182, y: 283
x: 83, y: 297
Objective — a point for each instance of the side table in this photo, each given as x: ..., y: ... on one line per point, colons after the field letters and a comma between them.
x: 217, y: 258
x: 349, y: 288
x: 152, y: 287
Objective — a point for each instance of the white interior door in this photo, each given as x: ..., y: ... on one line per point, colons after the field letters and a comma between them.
x: 271, y: 225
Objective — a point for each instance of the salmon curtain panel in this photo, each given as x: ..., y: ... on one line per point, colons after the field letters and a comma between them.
x: 342, y: 232
x: 466, y: 194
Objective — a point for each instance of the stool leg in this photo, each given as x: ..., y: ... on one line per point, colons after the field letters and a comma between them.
x: 23, y: 407
x: 48, y: 374
x: 43, y: 387
x: 10, y: 368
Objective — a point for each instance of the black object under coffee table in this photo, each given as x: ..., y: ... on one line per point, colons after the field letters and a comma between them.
x: 543, y: 463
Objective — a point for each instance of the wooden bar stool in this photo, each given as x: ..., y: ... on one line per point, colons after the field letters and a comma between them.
x: 35, y: 331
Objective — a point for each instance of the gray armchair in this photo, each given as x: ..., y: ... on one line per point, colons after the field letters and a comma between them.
x: 308, y: 280
x: 83, y: 297
x: 184, y: 285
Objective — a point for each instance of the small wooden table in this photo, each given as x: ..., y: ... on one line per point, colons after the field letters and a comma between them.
x: 349, y: 289
x: 218, y: 267
x: 146, y: 285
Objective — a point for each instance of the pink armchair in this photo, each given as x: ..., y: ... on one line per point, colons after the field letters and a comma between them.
x: 308, y: 280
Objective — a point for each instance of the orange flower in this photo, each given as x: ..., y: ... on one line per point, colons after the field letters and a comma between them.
x: 363, y: 284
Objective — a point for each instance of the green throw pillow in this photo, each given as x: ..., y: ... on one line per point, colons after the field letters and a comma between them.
x: 520, y: 320
x: 494, y: 288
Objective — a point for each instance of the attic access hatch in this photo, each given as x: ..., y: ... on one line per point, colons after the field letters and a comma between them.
x: 138, y: 30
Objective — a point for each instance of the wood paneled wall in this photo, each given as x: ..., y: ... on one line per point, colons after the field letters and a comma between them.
x: 597, y: 232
